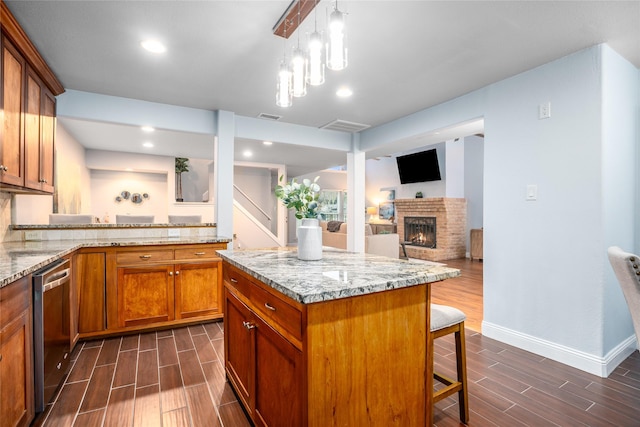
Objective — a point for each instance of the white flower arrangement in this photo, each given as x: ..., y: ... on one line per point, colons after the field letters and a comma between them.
x: 303, y: 197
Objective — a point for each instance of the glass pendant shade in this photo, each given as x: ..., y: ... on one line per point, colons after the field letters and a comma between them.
x: 283, y: 91
x: 315, y: 67
x: 298, y: 66
x: 336, y: 47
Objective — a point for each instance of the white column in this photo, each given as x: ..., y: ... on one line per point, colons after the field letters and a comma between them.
x: 225, y: 132
x: 454, y: 167
x: 355, y: 196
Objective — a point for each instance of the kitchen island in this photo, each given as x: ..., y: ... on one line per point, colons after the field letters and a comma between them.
x: 340, y: 341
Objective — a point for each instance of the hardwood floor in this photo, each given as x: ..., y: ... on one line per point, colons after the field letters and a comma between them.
x: 176, y: 378
x: 464, y: 292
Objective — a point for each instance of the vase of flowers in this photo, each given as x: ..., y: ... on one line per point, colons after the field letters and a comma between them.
x: 303, y: 198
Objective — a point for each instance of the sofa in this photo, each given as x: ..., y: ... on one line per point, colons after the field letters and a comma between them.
x: 378, y: 244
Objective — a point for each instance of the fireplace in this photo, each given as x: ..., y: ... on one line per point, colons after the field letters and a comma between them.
x: 420, y: 231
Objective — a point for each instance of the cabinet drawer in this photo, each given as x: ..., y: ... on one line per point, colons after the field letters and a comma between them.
x: 196, y: 253
x: 235, y: 278
x: 144, y: 257
x: 270, y: 307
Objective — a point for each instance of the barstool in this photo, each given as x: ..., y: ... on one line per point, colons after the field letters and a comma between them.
x: 446, y: 320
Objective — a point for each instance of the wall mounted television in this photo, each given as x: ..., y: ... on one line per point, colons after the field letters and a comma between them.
x: 419, y: 167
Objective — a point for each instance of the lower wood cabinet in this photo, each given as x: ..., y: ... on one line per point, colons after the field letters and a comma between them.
x: 16, y: 354
x: 359, y: 360
x: 88, y: 290
x: 145, y: 295
x: 272, y: 367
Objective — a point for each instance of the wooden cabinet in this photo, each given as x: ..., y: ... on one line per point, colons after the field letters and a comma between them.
x: 88, y: 290
x: 335, y: 362
x: 39, y: 131
x: 476, y: 244
x: 16, y: 354
x: 28, y: 102
x: 11, y: 139
x: 163, y: 286
x: 263, y: 364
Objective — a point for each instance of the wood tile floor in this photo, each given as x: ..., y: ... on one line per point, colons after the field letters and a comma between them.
x: 176, y: 378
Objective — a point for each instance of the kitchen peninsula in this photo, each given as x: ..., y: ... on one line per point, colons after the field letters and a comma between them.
x: 340, y: 341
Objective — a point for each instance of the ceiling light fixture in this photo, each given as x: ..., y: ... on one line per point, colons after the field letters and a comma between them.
x: 337, y: 46
x: 267, y: 143
x: 315, y: 67
x: 344, y: 92
x: 283, y: 88
x: 147, y: 129
x: 148, y: 145
x: 247, y: 153
x: 153, y: 46
x: 299, y: 67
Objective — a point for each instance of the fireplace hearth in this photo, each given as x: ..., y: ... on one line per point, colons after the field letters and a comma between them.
x: 420, y: 231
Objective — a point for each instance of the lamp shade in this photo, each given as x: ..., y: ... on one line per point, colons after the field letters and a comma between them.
x: 372, y: 210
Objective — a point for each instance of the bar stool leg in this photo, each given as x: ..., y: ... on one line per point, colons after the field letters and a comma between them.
x: 461, y: 364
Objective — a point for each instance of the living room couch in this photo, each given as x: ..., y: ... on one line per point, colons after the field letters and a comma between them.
x: 377, y: 244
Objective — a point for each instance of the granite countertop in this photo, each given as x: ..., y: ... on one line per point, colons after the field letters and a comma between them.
x: 339, y: 274
x: 94, y: 226
x: 18, y: 259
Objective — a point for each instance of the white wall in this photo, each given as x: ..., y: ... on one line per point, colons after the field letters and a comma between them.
x: 545, y: 270
x: 473, y: 181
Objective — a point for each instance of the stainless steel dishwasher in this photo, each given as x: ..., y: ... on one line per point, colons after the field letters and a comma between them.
x: 51, y: 334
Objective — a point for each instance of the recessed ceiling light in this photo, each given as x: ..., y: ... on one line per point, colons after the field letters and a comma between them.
x: 148, y: 144
x: 267, y: 142
x: 344, y: 92
x: 153, y: 46
x: 147, y: 129
x: 129, y: 169
x: 247, y: 153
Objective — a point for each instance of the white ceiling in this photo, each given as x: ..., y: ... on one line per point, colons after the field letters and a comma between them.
x: 404, y: 56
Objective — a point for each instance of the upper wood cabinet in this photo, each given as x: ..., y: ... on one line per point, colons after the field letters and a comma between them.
x: 11, y: 138
x: 28, y: 100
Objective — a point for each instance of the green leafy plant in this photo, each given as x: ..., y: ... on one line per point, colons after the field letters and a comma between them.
x: 303, y: 197
x: 182, y: 164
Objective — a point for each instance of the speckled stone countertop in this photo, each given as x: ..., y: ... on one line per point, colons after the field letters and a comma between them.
x: 339, y: 274
x: 18, y: 259
x: 94, y: 226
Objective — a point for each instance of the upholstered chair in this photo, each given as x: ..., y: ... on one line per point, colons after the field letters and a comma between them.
x: 627, y: 268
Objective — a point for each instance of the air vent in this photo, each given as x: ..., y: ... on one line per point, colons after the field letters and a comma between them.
x: 269, y: 116
x: 345, y: 126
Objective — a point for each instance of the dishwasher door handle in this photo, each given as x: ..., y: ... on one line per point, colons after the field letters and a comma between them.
x: 57, y: 280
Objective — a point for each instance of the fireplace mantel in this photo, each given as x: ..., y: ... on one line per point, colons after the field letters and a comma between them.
x: 451, y: 219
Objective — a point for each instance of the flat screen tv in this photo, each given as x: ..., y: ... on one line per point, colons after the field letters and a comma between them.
x: 419, y: 167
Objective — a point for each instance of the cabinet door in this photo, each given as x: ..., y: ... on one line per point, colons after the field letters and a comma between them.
x: 39, y: 128
x: 89, y: 285
x: 145, y: 295
x: 238, y: 340
x: 198, y: 289
x: 11, y: 137
x: 16, y: 372
x: 279, y: 373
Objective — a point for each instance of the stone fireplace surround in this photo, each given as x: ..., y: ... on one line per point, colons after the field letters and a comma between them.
x: 451, y: 223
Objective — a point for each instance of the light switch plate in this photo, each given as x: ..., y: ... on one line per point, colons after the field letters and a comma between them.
x: 532, y: 192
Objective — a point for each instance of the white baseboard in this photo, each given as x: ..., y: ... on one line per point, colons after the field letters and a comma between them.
x: 600, y: 366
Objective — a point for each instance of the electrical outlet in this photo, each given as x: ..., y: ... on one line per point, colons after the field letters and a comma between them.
x: 544, y: 110
x: 532, y: 193
x: 174, y: 232
x: 32, y: 235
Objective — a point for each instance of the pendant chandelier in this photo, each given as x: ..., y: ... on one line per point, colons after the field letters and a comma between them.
x: 307, y: 66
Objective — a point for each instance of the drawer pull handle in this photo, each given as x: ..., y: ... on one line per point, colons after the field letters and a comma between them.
x: 248, y: 325
x: 269, y: 306
x: 145, y: 256
x: 234, y: 280
x: 200, y: 253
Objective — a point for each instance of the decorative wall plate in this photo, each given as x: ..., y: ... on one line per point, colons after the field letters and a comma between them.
x: 136, y: 198
x: 125, y: 195
x: 118, y: 199
x: 145, y: 195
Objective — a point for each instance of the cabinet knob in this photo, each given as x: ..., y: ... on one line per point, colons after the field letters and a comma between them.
x: 248, y: 325
x: 43, y: 181
x: 3, y: 168
x: 171, y: 273
x: 177, y: 273
x: 269, y: 306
